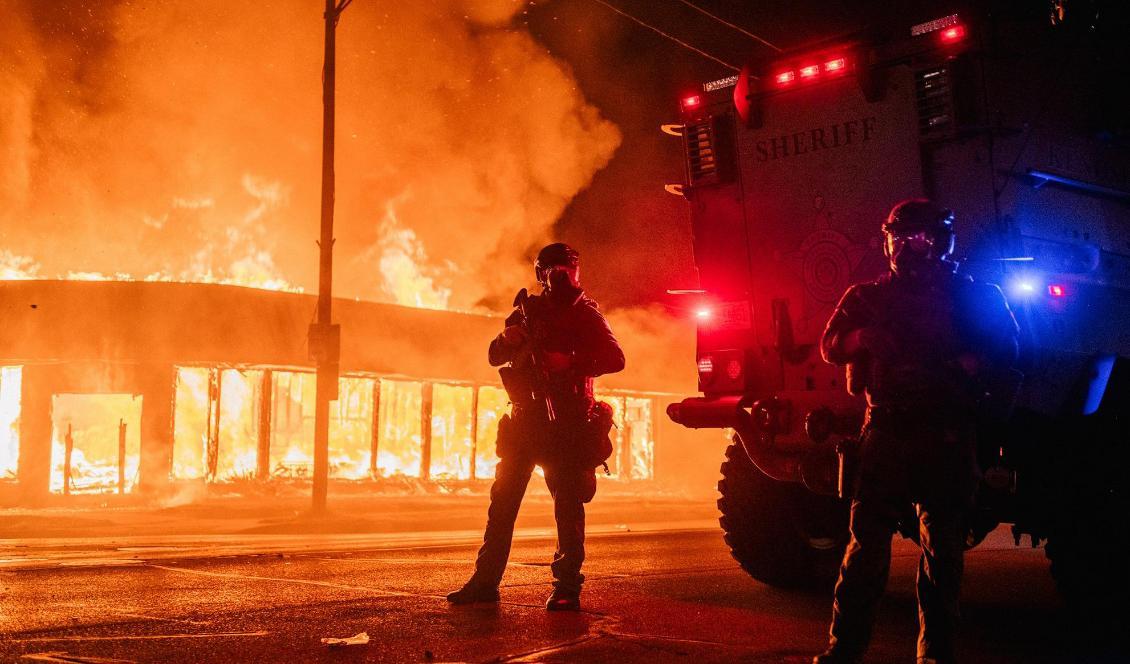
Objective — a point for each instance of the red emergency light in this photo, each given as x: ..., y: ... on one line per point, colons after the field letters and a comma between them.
x: 952, y: 34
x: 1056, y: 290
x: 691, y: 102
x: 703, y: 314
x: 812, y: 71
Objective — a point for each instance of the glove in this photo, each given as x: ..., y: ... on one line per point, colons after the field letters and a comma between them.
x: 514, y: 336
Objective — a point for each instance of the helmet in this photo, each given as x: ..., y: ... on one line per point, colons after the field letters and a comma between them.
x: 917, y: 232
x: 554, y: 255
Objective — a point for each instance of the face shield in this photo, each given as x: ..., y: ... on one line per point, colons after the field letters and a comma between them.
x: 562, y: 278
x: 910, y: 249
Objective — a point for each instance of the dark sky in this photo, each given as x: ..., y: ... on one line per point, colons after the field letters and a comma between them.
x: 634, y: 237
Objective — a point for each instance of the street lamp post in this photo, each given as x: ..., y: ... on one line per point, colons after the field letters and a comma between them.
x: 324, y: 336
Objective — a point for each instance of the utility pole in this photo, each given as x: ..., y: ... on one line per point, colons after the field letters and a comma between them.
x: 325, y: 337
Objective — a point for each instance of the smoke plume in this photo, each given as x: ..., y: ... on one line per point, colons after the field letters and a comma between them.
x: 181, y: 140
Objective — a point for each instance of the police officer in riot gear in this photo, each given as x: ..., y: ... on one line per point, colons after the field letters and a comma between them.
x: 554, y: 345
x: 922, y: 342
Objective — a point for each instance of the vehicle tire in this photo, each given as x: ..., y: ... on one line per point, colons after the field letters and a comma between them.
x: 779, y: 532
x: 1087, y: 547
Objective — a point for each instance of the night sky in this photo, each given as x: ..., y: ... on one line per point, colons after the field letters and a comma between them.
x: 638, y: 237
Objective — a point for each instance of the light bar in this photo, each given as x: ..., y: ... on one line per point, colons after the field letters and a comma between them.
x: 785, y: 77
x: 835, y: 65
x: 809, y: 71
x: 934, y: 26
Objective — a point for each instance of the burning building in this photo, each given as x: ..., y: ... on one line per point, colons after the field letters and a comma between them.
x: 127, y: 386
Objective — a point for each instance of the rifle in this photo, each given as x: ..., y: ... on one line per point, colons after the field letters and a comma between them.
x: 533, y: 385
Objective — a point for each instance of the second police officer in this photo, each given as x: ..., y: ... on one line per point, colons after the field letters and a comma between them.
x: 921, y: 342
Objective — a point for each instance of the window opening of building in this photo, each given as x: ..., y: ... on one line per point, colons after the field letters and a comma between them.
x: 351, y: 428
x: 452, y: 446
x: 10, y: 381
x: 190, y: 423
x: 292, y: 424
x: 95, y: 443
x: 238, y: 433
x: 493, y: 404
x: 399, y: 445
x: 638, y: 433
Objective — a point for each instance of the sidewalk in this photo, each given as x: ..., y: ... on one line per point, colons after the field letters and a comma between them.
x: 241, y: 525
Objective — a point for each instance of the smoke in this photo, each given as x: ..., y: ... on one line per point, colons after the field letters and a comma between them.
x: 182, y: 139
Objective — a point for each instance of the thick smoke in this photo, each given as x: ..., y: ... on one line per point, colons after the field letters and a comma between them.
x: 182, y: 140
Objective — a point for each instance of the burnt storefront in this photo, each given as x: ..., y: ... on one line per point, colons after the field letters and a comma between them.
x: 125, y: 387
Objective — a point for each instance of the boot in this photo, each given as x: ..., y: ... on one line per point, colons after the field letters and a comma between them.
x: 473, y: 592
x: 563, y: 600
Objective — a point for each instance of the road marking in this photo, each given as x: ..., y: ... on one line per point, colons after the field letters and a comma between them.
x: 136, y: 637
x: 63, y: 657
x: 178, y: 620
x: 307, y: 582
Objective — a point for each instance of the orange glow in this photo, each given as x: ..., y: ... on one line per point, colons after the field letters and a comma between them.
x: 292, y: 426
x: 451, y: 432
x: 493, y: 404
x: 93, y: 420
x: 10, y: 380
x: 640, y: 438
x: 190, y: 423
x: 239, y: 424
x: 398, y: 450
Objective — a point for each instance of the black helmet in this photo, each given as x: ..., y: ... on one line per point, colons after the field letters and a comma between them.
x: 919, y: 237
x: 921, y: 214
x: 553, y: 255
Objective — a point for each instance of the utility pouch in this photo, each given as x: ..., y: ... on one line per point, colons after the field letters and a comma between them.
x: 507, y: 441
x: 847, y: 450
x: 517, y: 385
x: 593, y: 444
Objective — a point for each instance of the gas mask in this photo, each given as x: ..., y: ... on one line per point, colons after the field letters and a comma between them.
x: 563, y: 281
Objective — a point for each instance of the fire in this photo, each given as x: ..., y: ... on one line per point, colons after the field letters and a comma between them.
x: 493, y: 404
x: 451, y: 432
x: 403, y: 265
x: 10, y: 379
x: 100, y: 460
x: 399, y: 449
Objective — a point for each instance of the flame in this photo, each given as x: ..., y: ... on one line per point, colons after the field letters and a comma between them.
x: 93, y: 420
x: 10, y: 379
x: 640, y: 438
x: 403, y: 264
x: 493, y: 404
x: 238, y: 448
x: 190, y: 423
x: 17, y: 267
x: 451, y: 432
x: 399, y: 447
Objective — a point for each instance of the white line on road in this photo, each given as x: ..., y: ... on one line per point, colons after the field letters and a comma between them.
x: 308, y: 582
x: 147, y: 617
x: 138, y: 637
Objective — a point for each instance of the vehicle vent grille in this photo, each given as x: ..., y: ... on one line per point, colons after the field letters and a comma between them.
x: 935, y: 102
x: 701, y: 158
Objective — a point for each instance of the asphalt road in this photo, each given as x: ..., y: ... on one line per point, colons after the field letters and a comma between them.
x: 651, y: 597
